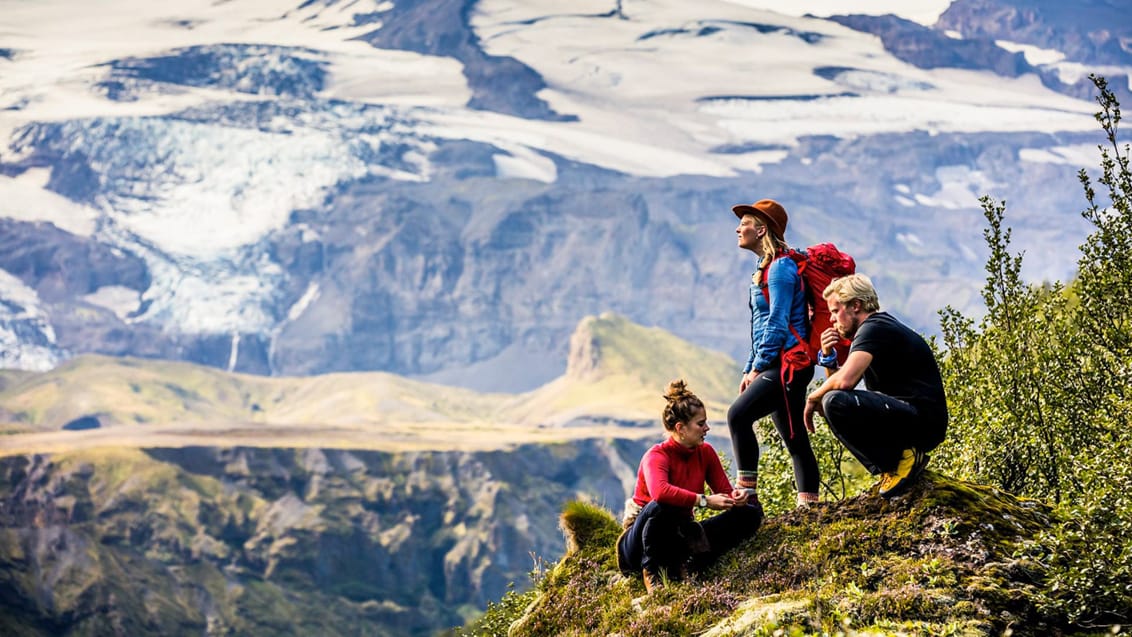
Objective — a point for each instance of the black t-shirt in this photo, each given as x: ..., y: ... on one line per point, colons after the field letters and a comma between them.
x: 903, y: 365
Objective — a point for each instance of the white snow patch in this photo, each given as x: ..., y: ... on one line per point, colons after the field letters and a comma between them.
x: 1081, y: 155
x: 27, y: 340
x: 212, y: 297
x: 14, y: 293
x: 122, y: 301
x: 926, y: 12
x: 852, y: 116
x: 1034, y: 55
x: 396, y: 77
x: 26, y: 198
x: 1073, y: 72
x: 308, y: 234
x: 574, y: 141
x: 225, y: 187
x: 17, y: 354
x: 909, y: 240
x: 876, y: 82
x: 234, y: 352
x: 960, y: 188
x: 523, y: 163
x: 63, y: 45
x: 309, y: 296
x: 652, y: 80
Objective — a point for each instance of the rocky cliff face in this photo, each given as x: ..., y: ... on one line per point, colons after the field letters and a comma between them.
x: 275, y: 541
x: 1082, y: 31
x: 465, y: 278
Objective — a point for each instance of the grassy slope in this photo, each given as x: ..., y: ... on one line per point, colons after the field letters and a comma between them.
x: 619, y: 369
x: 943, y: 560
x: 617, y: 376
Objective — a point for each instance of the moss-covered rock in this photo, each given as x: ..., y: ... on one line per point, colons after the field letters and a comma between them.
x: 944, y: 559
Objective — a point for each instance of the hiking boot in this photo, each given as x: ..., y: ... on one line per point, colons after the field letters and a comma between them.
x: 911, y: 465
x: 653, y: 581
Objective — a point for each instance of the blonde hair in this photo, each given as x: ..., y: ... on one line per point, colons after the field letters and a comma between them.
x: 682, y: 405
x: 770, y: 244
x: 854, y: 287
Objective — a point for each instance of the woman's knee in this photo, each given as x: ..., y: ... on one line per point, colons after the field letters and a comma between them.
x: 734, y: 413
x: 754, y: 403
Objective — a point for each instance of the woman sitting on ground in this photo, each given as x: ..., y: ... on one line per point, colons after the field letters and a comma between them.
x: 661, y: 538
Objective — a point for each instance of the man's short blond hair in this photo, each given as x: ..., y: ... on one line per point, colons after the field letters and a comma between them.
x: 855, y: 287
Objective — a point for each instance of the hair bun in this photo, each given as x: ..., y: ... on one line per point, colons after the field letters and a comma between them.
x: 681, y: 405
x: 677, y: 390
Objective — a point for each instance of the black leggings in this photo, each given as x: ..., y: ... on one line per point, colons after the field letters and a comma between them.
x: 662, y: 538
x: 765, y: 397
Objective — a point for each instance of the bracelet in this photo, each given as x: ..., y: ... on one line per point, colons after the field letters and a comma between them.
x: 830, y: 361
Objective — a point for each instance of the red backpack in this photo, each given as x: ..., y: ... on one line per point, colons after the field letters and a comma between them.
x: 818, y: 265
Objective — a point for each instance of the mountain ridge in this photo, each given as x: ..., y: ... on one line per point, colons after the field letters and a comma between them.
x: 94, y: 401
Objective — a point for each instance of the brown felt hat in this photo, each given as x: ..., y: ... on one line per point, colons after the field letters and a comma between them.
x: 770, y: 211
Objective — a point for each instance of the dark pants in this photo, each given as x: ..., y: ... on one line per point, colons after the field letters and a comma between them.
x: 663, y: 539
x: 875, y: 428
x: 765, y: 397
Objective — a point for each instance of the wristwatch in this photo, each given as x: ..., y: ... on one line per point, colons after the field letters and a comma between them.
x: 701, y: 500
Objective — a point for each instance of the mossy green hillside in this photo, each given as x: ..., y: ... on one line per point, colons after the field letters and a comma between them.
x: 942, y: 560
x: 618, y: 368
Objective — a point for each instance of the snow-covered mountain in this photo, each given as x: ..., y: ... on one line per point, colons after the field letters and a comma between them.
x: 443, y: 188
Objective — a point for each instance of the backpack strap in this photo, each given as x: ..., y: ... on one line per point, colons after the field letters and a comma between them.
x: 785, y: 372
x: 800, y: 261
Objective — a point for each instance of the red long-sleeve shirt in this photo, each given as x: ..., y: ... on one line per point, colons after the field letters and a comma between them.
x: 671, y: 473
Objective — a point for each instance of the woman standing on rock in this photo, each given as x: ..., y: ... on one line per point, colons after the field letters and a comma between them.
x: 661, y: 538
x: 774, y: 382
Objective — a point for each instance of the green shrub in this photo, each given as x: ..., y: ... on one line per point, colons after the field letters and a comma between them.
x: 1040, y: 400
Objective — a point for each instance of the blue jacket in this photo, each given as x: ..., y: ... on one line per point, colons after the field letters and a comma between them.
x: 769, y: 332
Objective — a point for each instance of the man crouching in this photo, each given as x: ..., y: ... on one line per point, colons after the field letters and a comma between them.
x: 903, y: 413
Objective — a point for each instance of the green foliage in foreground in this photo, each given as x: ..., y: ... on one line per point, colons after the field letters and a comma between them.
x: 941, y: 561
x: 1040, y: 396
